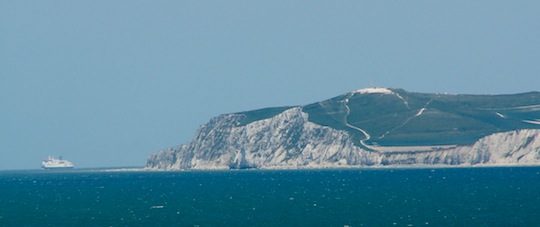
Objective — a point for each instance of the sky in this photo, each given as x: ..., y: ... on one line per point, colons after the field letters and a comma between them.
x: 107, y: 83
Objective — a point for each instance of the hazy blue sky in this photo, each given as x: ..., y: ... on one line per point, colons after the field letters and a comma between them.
x: 106, y: 83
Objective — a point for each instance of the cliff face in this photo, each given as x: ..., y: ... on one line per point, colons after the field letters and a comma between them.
x: 290, y: 140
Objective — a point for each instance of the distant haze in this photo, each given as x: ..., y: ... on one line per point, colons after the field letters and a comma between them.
x: 106, y: 83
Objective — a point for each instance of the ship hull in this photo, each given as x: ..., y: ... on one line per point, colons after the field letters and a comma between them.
x: 60, y: 167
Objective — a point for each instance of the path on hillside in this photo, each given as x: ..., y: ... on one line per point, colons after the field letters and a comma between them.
x: 366, y: 135
x: 420, y: 112
x: 402, y: 99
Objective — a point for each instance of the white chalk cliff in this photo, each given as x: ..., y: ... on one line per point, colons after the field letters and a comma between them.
x: 290, y: 140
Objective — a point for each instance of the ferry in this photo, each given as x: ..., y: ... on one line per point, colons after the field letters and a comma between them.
x: 56, y: 163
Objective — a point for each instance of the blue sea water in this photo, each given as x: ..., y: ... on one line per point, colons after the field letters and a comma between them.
x: 378, y: 197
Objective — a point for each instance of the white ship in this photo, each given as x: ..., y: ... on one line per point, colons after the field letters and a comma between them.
x: 56, y: 163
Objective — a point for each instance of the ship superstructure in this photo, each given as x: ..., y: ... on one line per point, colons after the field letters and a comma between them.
x: 56, y: 163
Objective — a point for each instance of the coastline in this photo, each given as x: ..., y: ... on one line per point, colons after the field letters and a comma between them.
x: 279, y: 168
x: 394, y: 167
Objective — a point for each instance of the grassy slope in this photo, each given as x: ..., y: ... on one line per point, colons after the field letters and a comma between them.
x: 448, y: 119
x: 261, y: 114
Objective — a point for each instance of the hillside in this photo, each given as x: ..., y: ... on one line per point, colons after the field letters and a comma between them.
x: 365, y: 124
x: 397, y: 117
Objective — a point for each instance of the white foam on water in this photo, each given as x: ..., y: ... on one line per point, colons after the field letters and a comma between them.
x: 536, y: 122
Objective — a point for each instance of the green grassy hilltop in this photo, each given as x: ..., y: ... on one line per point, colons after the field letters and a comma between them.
x: 393, y: 117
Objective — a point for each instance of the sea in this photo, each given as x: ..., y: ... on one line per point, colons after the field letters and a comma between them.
x: 503, y: 196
